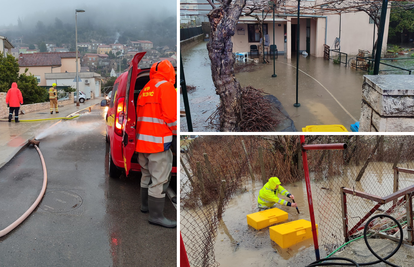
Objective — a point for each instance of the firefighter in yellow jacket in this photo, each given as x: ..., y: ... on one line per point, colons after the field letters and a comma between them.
x: 269, y: 195
x: 53, y: 99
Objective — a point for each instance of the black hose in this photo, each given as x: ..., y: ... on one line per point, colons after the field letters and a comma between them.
x: 323, y: 262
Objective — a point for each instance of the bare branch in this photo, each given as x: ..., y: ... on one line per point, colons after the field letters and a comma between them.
x: 211, y: 3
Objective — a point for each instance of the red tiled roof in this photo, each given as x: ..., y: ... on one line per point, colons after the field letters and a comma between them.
x: 143, y: 41
x: 44, y: 59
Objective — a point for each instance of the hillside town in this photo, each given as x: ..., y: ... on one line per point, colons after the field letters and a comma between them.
x: 98, y: 62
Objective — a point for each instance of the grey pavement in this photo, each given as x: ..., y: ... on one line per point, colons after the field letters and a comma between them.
x: 14, y: 136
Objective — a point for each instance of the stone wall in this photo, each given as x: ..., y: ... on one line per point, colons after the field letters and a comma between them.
x: 4, y: 111
x: 189, y: 43
x: 387, y: 103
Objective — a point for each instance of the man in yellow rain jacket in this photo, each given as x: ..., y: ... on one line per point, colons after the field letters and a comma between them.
x: 269, y: 195
x: 53, y: 99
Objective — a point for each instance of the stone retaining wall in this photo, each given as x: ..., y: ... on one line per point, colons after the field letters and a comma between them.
x: 4, y: 111
x: 387, y: 103
x: 189, y: 43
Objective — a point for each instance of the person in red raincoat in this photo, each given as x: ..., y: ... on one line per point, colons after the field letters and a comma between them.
x: 14, y: 99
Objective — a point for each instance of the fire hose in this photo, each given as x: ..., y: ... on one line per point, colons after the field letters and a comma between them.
x: 16, y: 223
x: 324, y: 262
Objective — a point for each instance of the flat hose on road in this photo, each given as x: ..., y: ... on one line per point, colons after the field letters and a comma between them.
x: 47, y: 119
x: 324, y: 262
x: 16, y: 223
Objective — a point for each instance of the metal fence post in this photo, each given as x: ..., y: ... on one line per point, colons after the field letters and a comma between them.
x: 409, y: 208
x: 396, y: 174
x: 344, y: 215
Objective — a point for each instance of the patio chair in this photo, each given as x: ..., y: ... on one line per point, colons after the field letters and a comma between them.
x: 254, y: 50
x: 273, y: 50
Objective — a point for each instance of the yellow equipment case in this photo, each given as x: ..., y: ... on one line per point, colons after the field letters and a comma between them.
x: 265, y: 218
x: 291, y: 233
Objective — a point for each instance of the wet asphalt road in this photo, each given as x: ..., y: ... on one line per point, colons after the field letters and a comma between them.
x: 85, y: 217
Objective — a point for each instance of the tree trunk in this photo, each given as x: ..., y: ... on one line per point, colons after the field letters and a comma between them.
x: 223, y: 22
x: 361, y: 172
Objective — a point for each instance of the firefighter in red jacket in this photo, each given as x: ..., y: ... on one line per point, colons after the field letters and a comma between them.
x: 156, y: 133
x: 14, y: 99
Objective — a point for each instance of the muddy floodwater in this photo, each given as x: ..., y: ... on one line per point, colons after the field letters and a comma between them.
x: 238, y: 244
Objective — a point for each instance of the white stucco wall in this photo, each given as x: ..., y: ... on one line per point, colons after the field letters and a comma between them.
x: 356, y: 32
x: 94, y: 86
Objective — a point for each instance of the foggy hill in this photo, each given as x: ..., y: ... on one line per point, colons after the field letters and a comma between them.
x: 102, y: 24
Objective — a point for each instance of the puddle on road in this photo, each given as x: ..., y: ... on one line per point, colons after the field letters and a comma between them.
x: 237, y: 244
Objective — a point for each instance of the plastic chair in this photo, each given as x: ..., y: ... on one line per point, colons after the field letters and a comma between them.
x: 254, y: 50
x: 273, y: 50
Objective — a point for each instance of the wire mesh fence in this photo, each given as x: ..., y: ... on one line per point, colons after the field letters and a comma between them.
x: 214, y: 168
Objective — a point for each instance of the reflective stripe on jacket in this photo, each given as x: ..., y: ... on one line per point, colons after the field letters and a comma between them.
x: 268, y: 196
x: 14, y: 96
x: 157, y: 110
x: 52, y: 93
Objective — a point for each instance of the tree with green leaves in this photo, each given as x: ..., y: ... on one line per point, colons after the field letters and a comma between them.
x: 42, y: 47
x: 9, y: 71
x: 32, y: 93
x: 401, y: 20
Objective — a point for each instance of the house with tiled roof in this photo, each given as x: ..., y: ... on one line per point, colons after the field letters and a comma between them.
x: 144, y: 44
x: 85, y: 46
x: 170, y: 59
x: 60, y: 68
x: 103, y: 49
x: 41, y: 63
x: 5, y: 45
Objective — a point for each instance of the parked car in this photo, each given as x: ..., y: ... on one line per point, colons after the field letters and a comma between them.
x: 121, y: 121
x: 108, y: 96
x: 82, y: 97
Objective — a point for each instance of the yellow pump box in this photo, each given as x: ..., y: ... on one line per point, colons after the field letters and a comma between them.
x: 265, y: 218
x: 291, y: 233
x: 325, y: 128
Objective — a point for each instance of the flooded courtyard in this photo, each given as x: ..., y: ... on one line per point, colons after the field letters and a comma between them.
x: 328, y: 93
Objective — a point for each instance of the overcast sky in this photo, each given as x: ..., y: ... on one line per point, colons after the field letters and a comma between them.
x: 30, y: 11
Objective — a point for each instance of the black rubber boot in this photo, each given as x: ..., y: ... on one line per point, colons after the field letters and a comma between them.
x: 144, y: 200
x: 156, y: 212
x: 16, y: 119
x: 10, y: 117
x: 51, y: 112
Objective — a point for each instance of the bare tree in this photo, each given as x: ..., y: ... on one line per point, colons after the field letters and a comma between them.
x: 223, y: 19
